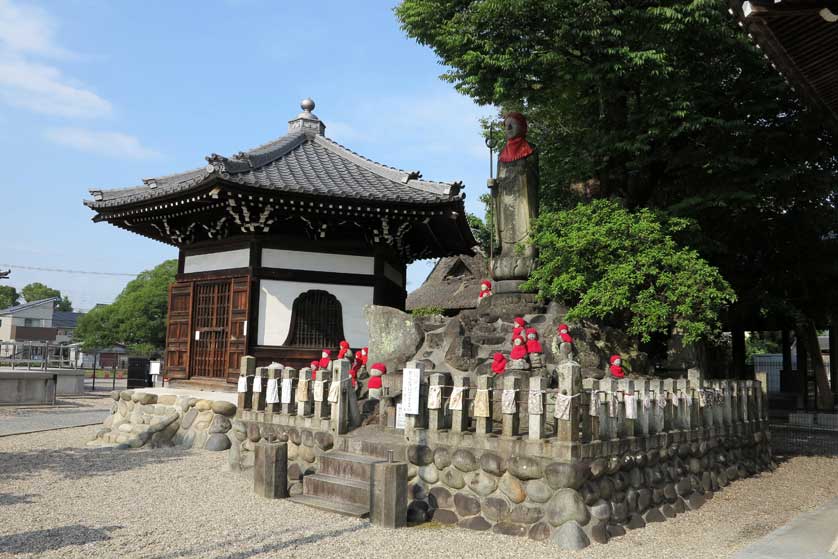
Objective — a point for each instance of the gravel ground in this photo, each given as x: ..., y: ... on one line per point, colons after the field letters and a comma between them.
x: 59, y: 498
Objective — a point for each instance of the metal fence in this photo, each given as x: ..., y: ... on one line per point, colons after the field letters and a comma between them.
x: 37, y: 355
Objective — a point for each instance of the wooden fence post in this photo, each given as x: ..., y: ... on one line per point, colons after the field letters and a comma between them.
x: 438, y: 393
x: 536, y: 408
x: 245, y: 384
x: 509, y: 405
x: 459, y: 410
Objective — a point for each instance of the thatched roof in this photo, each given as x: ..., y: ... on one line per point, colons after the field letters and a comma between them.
x: 453, y: 284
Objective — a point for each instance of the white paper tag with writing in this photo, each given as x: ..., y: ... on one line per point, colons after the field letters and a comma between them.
x: 593, y: 411
x: 508, y: 401
x: 242, y: 384
x: 456, y: 402
x: 286, y: 391
x: 562, y: 406
x: 257, y: 384
x: 688, y: 399
x: 272, y: 396
x: 334, y: 392
x: 318, y: 390
x: 481, y: 403
x: 535, y: 402
x: 702, y: 399
x: 612, y: 405
x: 661, y: 401
x: 302, y: 391
x: 647, y: 401
x: 631, y: 406
x: 434, y: 397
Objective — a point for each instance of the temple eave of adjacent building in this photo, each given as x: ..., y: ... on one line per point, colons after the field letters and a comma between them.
x: 222, y: 211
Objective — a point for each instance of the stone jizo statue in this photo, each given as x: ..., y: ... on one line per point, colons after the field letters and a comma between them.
x: 515, y: 204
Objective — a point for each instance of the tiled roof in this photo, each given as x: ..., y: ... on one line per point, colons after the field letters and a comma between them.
x: 300, y: 162
x: 27, y: 305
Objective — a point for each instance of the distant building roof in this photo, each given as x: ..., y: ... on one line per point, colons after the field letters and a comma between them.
x: 453, y: 284
x: 65, y: 319
x: 17, y: 308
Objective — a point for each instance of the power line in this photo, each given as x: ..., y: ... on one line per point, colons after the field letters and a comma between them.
x: 83, y: 272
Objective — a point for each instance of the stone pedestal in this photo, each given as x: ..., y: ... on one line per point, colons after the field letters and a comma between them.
x: 270, y: 470
x: 388, y: 494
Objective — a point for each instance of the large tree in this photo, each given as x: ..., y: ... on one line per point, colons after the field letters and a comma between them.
x: 137, y: 318
x: 37, y: 291
x: 9, y: 296
x: 665, y: 105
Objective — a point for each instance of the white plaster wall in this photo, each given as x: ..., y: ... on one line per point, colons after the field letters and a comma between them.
x: 225, y: 260
x: 276, y: 299
x: 317, y: 261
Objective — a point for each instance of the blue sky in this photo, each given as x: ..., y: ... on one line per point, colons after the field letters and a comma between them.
x: 103, y: 94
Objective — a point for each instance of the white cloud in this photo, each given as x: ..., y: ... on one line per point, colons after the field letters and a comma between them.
x: 43, y: 89
x: 110, y: 144
x: 27, y: 37
x: 28, y: 29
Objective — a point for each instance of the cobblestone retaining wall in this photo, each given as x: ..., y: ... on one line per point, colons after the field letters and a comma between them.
x: 138, y: 419
x: 575, y: 504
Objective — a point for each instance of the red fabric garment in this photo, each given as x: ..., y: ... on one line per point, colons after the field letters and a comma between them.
x: 353, y: 374
x: 517, y: 147
x: 616, y: 370
x: 520, y: 321
x: 565, y: 336
x: 374, y: 382
x: 499, y: 364
x: 484, y: 294
x: 517, y: 332
x: 344, y: 347
x: 314, y: 366
x: 324, y: 363
x: 364, y: 355
x: 519, y: 351
x: 534, y: 346
x: 487, y: 283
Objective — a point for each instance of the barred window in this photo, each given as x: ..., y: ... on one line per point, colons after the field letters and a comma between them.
x: 316, y: 320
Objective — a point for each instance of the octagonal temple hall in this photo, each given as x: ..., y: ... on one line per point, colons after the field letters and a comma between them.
x: 282, y: 246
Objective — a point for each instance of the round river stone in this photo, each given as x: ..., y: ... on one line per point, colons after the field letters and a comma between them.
x: 525, y: 467
x: 464, y: 460
x: 565, y: 506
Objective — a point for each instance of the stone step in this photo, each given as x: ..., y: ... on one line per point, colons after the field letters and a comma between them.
x: 333, y: 488
x: 347, y: 466
x: 376, y: 449
x: 346, y: 509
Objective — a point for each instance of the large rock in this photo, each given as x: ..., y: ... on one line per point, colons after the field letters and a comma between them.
x: 475, y: 523
x: 464, y: 460
x: 217, y: 442
x: 480, y: 482
x: 512, y: 488
x: 441, y: 498
x: 560, y: 475
x: 570, y: 536
x: 219, y: 424
x: 394, y: 336
x: 538, y: 491
x: 540, y: 531
x: 224, y: 408
x: 420, y: 455
x: 493, y: 464
x: 565, y: 506
x: 453, y: 478
x: 496, y: 509
x: 525, y: 467
x: 460, y: 354
x: 466, y: 505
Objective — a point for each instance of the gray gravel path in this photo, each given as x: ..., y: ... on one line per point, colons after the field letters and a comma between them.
x: 61, y: 499
x: 75, y: 412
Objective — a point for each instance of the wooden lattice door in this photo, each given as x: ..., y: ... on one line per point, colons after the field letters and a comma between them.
x: 210, y: 324
x: 178, y: 330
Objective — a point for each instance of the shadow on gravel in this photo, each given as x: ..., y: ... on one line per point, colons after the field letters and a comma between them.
x: 40, y: 541
x: 12, y: 499
x: 78, y: 463
x: 252, y: 549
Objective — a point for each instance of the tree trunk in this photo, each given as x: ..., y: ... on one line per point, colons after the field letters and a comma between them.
x: 806, y: 333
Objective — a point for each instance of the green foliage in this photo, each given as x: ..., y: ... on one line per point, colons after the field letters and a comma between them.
x: 664, y: 105
x: 758, y: 343
x: 137, y: 318
x: 37, y: 291
x: 613, y: 264
x: 427, y: 311
x: 9, y: 296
